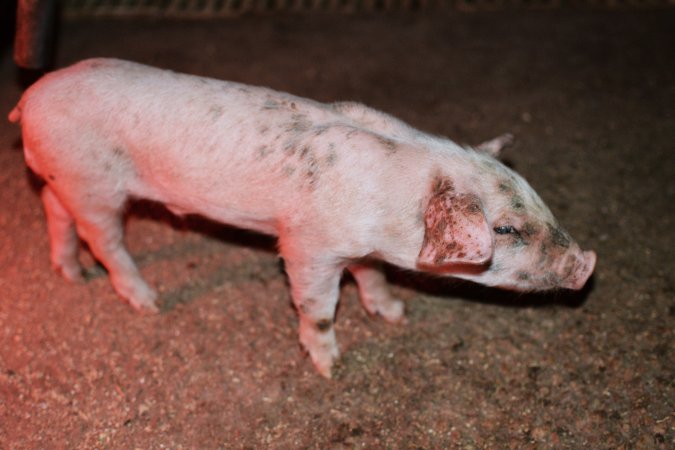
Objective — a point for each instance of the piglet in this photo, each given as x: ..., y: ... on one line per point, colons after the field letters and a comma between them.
x: 343, y: 186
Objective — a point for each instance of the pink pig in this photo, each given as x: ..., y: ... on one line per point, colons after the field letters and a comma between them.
x: 341, y: 185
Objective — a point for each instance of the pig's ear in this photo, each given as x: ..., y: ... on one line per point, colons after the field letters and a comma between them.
x: 456, y: 231
x: 495, y: 146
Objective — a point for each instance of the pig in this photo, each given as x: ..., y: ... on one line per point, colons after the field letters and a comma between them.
x: 342, y: 186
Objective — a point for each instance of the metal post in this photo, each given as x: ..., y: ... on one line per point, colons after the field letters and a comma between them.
x: 34, y: 38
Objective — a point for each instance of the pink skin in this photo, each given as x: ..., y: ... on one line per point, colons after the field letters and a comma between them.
x: 341, y: 185
x: 531, y: 251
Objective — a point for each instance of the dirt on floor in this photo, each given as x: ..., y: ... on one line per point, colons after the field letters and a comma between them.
x: 590, y: 97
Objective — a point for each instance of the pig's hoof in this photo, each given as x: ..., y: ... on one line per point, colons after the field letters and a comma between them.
x: 323, y: 361
x: 142, y: 299
x: 390, y: 309
x: 393, y: 311
x: 323, y: 354
x: 145, y: 306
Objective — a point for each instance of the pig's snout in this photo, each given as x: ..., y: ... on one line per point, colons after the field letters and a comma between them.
x: 578, y: 269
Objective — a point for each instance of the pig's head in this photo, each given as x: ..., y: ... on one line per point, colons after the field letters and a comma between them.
x: 492, y: 228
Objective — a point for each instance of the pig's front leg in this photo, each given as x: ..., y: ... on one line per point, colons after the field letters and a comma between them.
x: 374, y: 292
x: 315, y: 286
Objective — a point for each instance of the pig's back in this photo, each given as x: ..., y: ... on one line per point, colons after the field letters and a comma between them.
x: 242, y: 155
x: 198, y: 145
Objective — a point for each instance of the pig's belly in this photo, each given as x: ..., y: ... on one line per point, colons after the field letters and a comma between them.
x: 236, y: 196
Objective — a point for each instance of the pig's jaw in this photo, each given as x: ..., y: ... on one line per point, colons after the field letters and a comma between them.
x: 571, y: 272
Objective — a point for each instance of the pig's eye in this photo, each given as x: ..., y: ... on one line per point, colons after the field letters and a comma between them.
x: 506, y: 229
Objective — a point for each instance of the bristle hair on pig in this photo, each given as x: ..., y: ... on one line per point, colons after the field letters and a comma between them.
x: 343, y: 186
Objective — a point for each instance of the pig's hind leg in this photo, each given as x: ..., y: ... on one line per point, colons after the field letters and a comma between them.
x: 374, y: 292
x: 63, y: 240
x: 98, y: 218
x: 104, y: 234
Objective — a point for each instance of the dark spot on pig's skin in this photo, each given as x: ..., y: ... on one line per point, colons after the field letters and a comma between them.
x: 298, y: 124
x: 288, y: 170
x: 529, y: 230
x: 550, y: 279
x: 544, y: 256
x: 332, y: 156
x: 215, y: 111
x: 470, y: 204
x: 420, y: 217
x: 495, y: 267
x: 51, y: 177
x: 442, y: 185
x: 517, y: 202
x: 324, y: 325
x: 389, y: 144
x: 311, y: 176
x: 311, y: 165
x: 558, y: 237
x: 319, y: 130
x: 289, y: 148
x: 263, y: 151
x: 270, y: 104
x: 570, y: 265
x: 491, y: 165
x: 312, y: 173
x: 517, y: 240
x: 504, y: 187
x: 523, y: 276
x: 507, y: 188
x: 264, y: 129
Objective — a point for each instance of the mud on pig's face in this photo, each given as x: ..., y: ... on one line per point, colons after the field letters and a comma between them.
x: 500, y: 233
